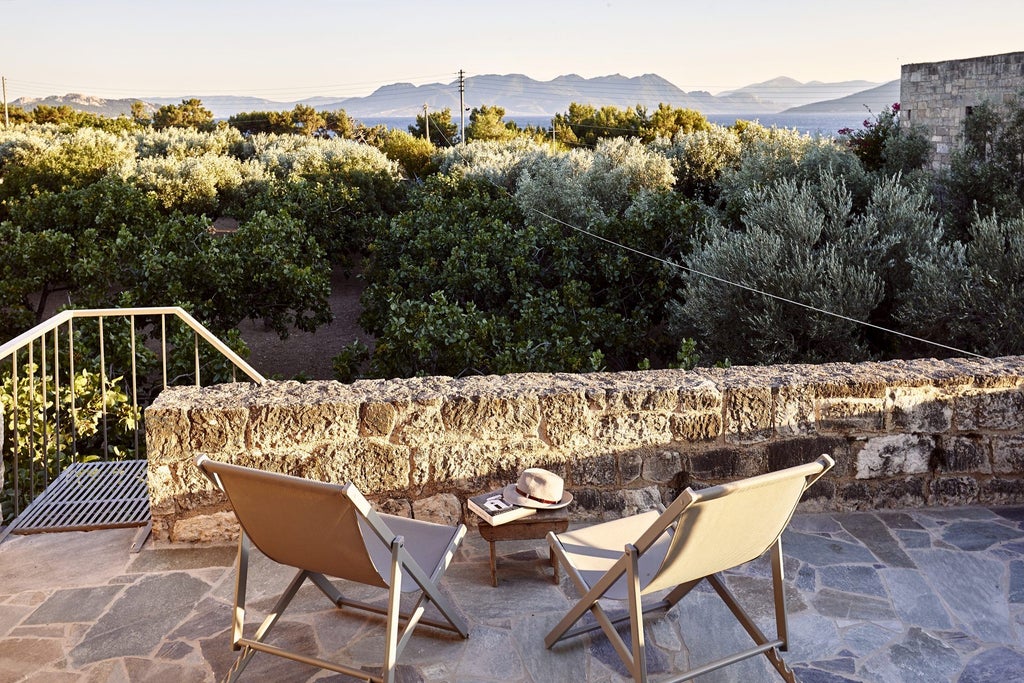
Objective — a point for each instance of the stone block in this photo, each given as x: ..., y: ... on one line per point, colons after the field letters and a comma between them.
x: 794, y: 411
x: 566, y: 419
x: 921, y: 409
x: 748, y: 414
x: 696, y: 426
x: 599, y: 469
x: 273, y: 426
x: 725, y: 464
x: 630, y: 467
x: 587, y: 503
x: 373, y: 466
x: 904, y: 492
x: 1002, y: 491
x: 399, y: 507
x: 662, y: 467
x: 888, y: 456
x: 964, y: 454
x: 633, y: 429
x: 961, y: 490
x: 702, y: 398
x: 420, y: 423
x: 1008, y: 454
x: 217, y: 430
x: 854, y: 496
x: 491, y: 417
x: 626, y: 502
x: 793, y: 452
x: 167, y: 431
x: 851, y: 415
x: 997, y: 409
x: 443, y: 508
x: 455, y: 462
x: 377, y: 419
x: 206, y: 528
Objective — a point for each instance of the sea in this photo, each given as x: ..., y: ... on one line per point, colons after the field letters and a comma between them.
x: 826, y: 125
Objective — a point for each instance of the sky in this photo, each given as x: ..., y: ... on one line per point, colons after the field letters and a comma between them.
x: 292, y: 49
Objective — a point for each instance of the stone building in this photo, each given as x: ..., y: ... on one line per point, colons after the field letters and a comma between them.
x: 940, y: 95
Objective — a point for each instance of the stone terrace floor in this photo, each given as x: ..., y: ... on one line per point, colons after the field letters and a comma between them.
x: 911, y: 595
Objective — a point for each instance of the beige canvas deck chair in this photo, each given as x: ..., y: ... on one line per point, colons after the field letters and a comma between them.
x: 700, y: 534
x: 329, y: 530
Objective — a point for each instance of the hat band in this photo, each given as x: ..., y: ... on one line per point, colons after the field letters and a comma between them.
x: 539, y: 500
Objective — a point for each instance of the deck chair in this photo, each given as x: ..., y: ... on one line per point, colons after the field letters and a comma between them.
x: 700, y: 534
x: 329, y: 530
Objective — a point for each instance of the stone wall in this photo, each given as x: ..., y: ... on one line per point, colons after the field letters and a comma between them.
x: 937, y: 95
x: 903, y: 433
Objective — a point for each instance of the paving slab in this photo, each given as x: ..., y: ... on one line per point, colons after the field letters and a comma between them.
x: 894, y: 595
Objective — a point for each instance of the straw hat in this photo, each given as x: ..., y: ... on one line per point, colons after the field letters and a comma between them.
x: 538, y: 488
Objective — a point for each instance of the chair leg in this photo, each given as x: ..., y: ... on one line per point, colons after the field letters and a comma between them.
x: 394, y: 611
x: 779, y: 590
x: 768, y: 648
x: 636, y: 618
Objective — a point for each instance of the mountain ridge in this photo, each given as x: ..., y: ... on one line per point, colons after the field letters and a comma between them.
x: 521, y: 95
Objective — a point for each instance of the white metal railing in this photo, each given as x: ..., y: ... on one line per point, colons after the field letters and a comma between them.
x: 43, y: 393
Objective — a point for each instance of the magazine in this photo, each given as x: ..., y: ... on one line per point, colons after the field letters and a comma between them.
x: 495, y: 510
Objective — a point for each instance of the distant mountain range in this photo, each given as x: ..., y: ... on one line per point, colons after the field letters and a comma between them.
x: 521, y: 95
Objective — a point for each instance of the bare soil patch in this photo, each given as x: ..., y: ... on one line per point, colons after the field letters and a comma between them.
x: 309, y: 354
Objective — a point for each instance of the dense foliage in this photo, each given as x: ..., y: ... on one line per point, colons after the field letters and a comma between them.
x: 618, y: 238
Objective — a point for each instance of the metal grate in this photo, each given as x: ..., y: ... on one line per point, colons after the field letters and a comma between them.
x: 89, y: 495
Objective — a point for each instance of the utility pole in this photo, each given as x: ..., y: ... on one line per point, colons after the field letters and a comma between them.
x: 7, y: 122
x: 462, y: 104
x: 426, y: 122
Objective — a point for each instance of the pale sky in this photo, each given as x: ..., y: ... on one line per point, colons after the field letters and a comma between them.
x: 292, y: 49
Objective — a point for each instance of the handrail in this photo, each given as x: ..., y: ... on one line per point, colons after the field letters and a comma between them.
x: 48, y: 442
x: 61, y: 318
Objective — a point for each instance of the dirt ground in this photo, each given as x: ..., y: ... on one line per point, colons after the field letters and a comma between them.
x: 306, y: 353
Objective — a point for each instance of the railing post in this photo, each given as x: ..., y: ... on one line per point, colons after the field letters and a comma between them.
x: 103, y: 391
x: 38, y: 417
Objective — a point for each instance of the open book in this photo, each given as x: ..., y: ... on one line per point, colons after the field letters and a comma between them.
x: 495, y: 510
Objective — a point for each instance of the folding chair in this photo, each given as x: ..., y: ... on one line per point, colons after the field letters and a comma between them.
x: 329, y: 530
x: 700, y: 534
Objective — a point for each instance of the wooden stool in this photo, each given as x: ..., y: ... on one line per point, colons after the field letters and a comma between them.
x: 535, y: 526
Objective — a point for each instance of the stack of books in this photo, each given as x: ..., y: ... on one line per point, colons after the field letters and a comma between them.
x: 494, y: 509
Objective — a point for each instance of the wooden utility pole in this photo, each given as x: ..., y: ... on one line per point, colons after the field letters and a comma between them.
x: 426, y: 122
x: 462, y: 104
x: 7, y: 122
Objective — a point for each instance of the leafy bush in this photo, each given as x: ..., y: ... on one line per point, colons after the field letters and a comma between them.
x: 49, y: 437
x: 804, y: 242
x: 970, y: 294
x: 463, y: 281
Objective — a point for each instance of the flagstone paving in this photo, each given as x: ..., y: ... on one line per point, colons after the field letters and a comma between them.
x: 909, y: 595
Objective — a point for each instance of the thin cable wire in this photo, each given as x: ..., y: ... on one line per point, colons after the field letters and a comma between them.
x: 725, y: 281
x: 755, y: 290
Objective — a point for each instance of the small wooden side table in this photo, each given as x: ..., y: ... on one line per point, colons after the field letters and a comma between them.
x: 535, y: 526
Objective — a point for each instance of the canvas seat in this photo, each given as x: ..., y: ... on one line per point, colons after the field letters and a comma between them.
x: 326, y: 530
x: 699, y: 535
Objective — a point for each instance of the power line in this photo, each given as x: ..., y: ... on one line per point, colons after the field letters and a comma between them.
x: 748, y: 288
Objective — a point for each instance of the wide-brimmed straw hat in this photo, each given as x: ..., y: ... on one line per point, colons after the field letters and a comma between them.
x: 538, y: 488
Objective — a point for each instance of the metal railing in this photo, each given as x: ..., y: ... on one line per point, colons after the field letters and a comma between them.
x: 76, y: 393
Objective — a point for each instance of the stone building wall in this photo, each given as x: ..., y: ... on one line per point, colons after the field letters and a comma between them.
x: 903, y: 433
x: 937, y: 95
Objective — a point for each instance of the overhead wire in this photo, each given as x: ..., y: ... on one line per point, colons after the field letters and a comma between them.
x: 694, y: 271
x: 725, y: 281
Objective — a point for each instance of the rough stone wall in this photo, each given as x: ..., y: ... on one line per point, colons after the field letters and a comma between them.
x: 903, y: 433
x: 936, y: 95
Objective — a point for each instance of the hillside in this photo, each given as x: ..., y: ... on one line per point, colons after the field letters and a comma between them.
x: 80, y: 102
x: 521, y: 95
x: 874, y: 99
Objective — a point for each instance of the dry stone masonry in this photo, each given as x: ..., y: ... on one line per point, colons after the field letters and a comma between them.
x: 903, y: 433
x: 939, y: 95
